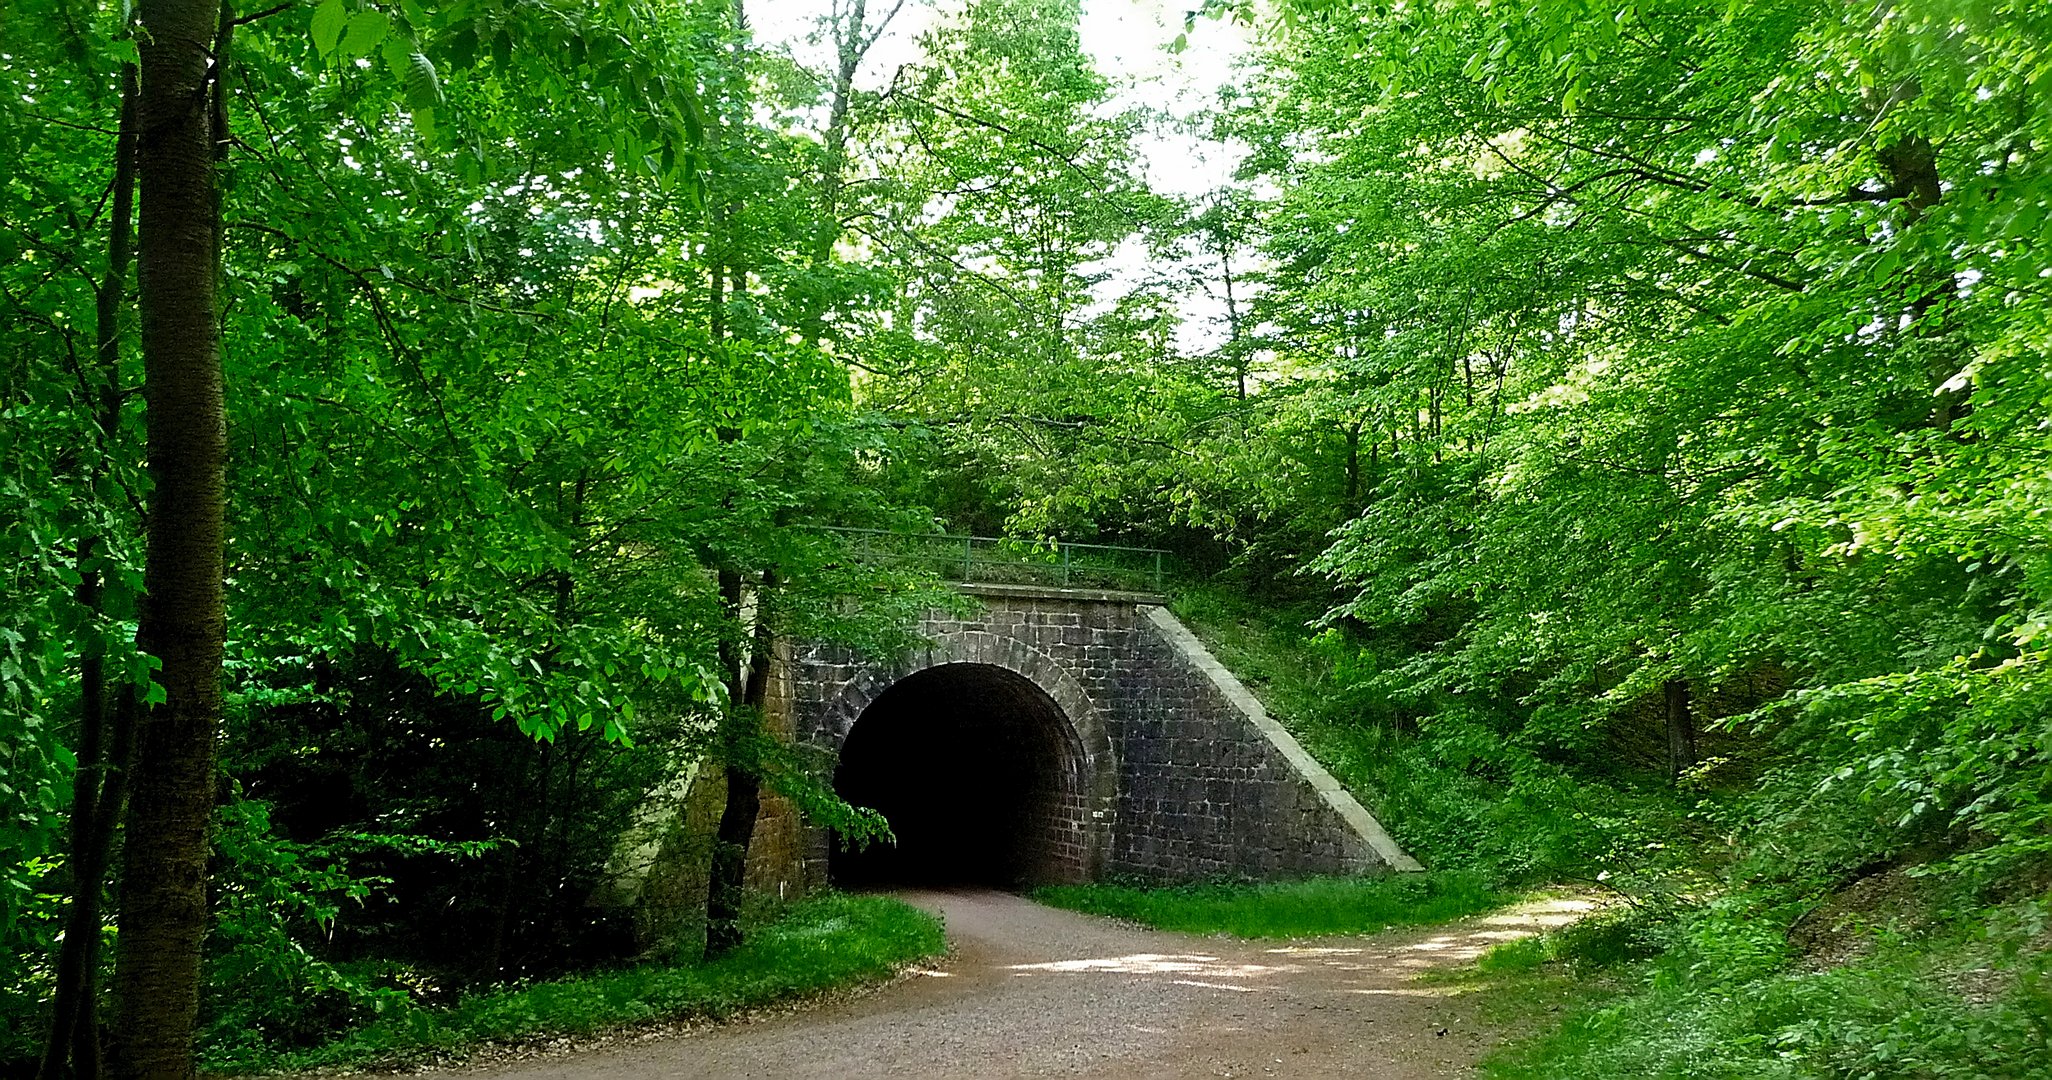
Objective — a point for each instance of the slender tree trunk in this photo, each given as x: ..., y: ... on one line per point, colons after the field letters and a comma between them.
x: 723, y: 933
x: 1233, y: 346
x: 1354, y: 467
x: 163, y: 885
x: 749, y: 672
x: 716, y: 292
x: 1912, y: 166
x: 1681, y: 729
x: 506, y: 892
x: 1374, y: 454
x: 853, y: 37
x: 69, y: 1044
x: 97, y: 785
x: 729, y: 870
x: 833, y: 171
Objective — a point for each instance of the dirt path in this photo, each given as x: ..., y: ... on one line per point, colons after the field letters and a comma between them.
x: 1032, y: 991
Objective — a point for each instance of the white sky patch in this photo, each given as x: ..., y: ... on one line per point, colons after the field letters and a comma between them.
x: 1129, y: 41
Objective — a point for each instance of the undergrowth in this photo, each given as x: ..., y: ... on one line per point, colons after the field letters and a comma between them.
x: 1970, y: 997
x: 1824, y: 921
x: 1286, y: 909
x: 819, y: 944
x: 1455, y: 784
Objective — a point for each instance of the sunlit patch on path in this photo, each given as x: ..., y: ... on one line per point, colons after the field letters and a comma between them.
x: 1157, y: 964
x: 1033, y: 991
x: 1341, y: 967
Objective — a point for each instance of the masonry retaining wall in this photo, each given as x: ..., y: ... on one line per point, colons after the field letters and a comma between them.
x: 1185, y: 776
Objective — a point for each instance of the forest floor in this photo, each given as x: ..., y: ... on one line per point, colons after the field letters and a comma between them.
x: 1028, y: 990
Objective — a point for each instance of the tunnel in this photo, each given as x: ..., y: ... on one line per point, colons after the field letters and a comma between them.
x: 977, y: 770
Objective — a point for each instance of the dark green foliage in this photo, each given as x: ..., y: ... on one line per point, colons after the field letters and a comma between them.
x: 1625, y: 461
x: 821, y: 944
x: 1314, y: 907
x: 1461, y: 783
x: 1968, y: 998
x: 407, y: 847
x: 474, y: 848
x: 503, y: 391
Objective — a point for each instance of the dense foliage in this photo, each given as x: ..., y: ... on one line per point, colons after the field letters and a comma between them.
x: 508, y: 298
x: 1620, y: 451
x: 1645, y: 407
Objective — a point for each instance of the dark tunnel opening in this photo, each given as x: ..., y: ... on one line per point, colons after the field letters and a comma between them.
x: 974, y: 768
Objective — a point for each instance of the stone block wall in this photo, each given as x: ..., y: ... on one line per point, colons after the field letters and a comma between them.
x: 779, y: 845
x: 1184, y: 776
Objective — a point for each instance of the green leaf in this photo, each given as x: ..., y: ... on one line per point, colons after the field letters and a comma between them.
x: 2024, y: 225
x: 462, y: 48
x: 365, y: 31
x: 328, y: 20
x: 398, y: 56
x: 423, y: 86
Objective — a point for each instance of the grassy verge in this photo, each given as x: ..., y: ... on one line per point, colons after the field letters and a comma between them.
x: 1776, y: 960
x: 1441, y: 775
x: 821, y: 944
x: 1286, y: 909
x: 1968, y: 998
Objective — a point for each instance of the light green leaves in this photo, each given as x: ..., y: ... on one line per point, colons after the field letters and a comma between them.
x: 329, y: 17
x: 346, y: 37
x: 365, y: 31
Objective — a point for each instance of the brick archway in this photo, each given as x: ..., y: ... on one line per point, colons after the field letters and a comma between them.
x: 1082, y: 822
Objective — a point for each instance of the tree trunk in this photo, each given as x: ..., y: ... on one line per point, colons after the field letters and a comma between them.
x: 853, y: 37
x: 97, y: 785
x: 163, y: 885
x: 1354, y: 468
x: 1912, y: 166
x: 1374, y: 451
x: 1233, y: 347
x: 748, y: 692
x: 729, y: 870
x: 1681, y: 729
x: 723, y: 932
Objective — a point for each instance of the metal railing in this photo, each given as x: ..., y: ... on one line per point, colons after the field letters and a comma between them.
x: 991, y: 560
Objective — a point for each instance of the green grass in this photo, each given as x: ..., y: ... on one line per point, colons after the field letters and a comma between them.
x: 824, y: 943
x: 1699, y: 982
x: 1308, y: 908
x: 1971, y: 998
x: 1451, y: 787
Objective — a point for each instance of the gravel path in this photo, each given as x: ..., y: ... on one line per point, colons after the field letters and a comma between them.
x: 1033, y: 991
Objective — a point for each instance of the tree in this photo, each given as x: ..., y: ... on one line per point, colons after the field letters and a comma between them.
x: 163, y: 881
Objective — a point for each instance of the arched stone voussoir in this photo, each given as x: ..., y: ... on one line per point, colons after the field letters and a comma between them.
x: 855, y: 697
x: 1052, y: 677
x: 1090, y: 763
x: 1090, y: 739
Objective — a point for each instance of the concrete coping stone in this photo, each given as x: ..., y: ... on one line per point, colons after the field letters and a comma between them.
x: 1328, y: 787
x: 1056, y: 592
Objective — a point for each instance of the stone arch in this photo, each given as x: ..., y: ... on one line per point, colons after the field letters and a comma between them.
x: 1091, y: 787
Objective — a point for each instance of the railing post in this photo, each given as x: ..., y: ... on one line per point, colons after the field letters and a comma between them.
x: 1068, y: 551
x: 968, y: 555
x: 1157, y: 571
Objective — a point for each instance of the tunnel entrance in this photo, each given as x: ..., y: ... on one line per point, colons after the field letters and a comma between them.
x: 977, y: 769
